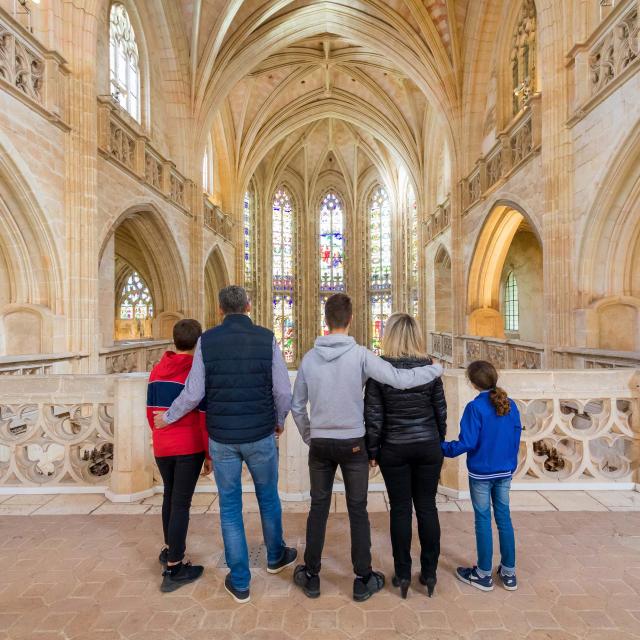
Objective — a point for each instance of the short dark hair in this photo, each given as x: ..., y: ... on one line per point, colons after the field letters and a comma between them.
x: 338, y: 311
x: 233, y: 299
x: 186, y: 333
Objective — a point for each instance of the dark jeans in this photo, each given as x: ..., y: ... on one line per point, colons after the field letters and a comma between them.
x: 325, y: 455
x: 411, y: 473
x: 180, y: 475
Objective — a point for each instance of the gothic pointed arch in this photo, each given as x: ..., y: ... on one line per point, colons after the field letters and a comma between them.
x: 216, y: 277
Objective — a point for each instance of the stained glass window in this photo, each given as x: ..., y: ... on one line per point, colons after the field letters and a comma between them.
x: 332, y: 277
x: 511, y: 306
x: 380, y: 281
x: 135, y: 301
x: 123, y: 61
x: 413, y: 251
x: 248, y: 242
x: 283, y: 275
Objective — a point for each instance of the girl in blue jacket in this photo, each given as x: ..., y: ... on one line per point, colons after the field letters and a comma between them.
x: 490, y: 432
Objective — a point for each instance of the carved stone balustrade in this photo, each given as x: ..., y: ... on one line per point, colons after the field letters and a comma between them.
x: 503, y: 353
x: 586, y: 358
x: 31, y: 73
x: 39, y: 364
x: 516, y: 144
x: 216, y: 220
x: 606, y: 59
x: 439, y: 220
x: 122, y: 141
x: 133, y: 357
x: 441, y: 346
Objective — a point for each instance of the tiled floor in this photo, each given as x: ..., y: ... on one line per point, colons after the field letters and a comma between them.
x: 96, y: 577
x: 20, y: 505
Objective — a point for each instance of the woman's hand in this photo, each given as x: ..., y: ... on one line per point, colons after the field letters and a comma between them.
x: 373, y: 463
x: 207, y: 467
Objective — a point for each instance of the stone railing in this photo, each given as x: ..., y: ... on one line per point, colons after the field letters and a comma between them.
x: 439, y: 220
x: 56, y: 431
x: 33, y: 74
x: 515, y: 145
x: 585, y: 358
x: 216, y: 220
x: 607, y: 58
x: 441, y: 346
x: 132, y: 357
x: 581, y: 428
x: 122, y: 141
x: 38, y: 364
x: 503, y: 353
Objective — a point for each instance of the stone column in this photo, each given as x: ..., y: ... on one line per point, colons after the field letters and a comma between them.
x: 132, y: 474
x: 80, y: 26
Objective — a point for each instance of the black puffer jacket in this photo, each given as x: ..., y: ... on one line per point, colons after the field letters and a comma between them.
x: 404, y: 417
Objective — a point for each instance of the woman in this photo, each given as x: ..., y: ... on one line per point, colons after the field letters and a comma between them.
x: 404, y: 432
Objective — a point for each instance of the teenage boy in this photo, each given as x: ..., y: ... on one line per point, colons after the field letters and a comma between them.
x: 179, y: 452
x: 331, y: 378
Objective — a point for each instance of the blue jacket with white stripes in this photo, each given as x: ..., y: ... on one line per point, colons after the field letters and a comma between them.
x: 490, y: 441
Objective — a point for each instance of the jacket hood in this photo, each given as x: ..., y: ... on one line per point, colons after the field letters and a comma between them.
x: 173, y: 364
x: 333, y: 346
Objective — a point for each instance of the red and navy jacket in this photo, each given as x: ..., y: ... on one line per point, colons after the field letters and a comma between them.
x: 187, y: 435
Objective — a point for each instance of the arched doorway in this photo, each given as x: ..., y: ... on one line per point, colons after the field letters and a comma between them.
x: 505, y: 287
x: 443, y: 293
x: 215, y: 278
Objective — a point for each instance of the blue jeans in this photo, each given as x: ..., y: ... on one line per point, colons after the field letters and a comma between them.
x: 261, y: 458
x: 483, y: 494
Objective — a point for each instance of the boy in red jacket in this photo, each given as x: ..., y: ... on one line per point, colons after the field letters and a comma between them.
x: 179, y: 450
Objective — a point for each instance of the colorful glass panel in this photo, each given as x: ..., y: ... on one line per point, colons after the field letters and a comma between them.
x: 379, y: 312
x: 283, y: 275
x: 248, y: 241
x: 135, y: 300
x: 413, y: 249
x: 331, y: 247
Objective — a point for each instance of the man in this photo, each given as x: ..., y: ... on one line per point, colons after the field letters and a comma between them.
x: 239, y: 371
x: 331, y: 378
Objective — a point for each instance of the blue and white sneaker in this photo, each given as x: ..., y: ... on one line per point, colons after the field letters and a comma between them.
x: 510, y: 583
x: 469, y: 575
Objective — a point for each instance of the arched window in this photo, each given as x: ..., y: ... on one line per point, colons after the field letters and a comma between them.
x: 206, y: 186
x: 414, y: 290
x: 332, y: 277
x: 523, y: 56
x: 380, y: 299
x: 135, y: 301
x: 283, y: 275
x: 123, y: 61
x: 511, y: 306
x: 249, y: 250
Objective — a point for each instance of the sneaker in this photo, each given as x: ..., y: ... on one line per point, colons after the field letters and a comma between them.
x: 163, y: 558
x: 310, y: 584
x: 363, y: 590
x: 289, y: 556
x: 510, y: 583
x: 470, y: 576
x: 241, y: 597
x: 186, y: 574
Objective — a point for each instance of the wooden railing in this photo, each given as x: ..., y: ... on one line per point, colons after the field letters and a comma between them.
x: 439, y: 220
x: 31, y: 73
x: 515, y: 145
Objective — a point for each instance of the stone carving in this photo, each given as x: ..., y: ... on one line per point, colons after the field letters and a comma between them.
x: 21, y: 66
x: 523, y: 56
x: 474, y: 190
x: 153, y: 170
x: 56, y: 444
x: 494, y: 169
x: 473, y: 350
x: 176, y: 192
x: 576, y: 439
x: 121, y: 145
x: 614, y: 51
x: 521, y: 142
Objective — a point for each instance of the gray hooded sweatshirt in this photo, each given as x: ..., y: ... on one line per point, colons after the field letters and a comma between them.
x: 331, y: 378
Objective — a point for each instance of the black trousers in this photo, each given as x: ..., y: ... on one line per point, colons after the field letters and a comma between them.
x: 411, y: 473
x: 325, y: 455
x: 180, y: 475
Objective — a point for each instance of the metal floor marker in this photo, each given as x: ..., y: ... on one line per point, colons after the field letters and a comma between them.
x: 257, y: 557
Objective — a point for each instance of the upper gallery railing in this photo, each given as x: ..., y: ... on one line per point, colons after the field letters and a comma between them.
x: 607, y: 58
x: 442, y: 345
x: 515, y: 145
x: 121, y: 141
x: 587, y: 358
x: 38, y: 364
x: 439, y: 220
x: 132, y: 357
x: 215, y: 219
x: 33, y: 74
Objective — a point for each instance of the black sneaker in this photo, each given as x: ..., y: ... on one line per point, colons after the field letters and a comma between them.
x: 363, y: 590
x: 163, y: 558
x: 241, y: 597
x: 310, y: 584
x: 186, y: 574
x: 289, y: 556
